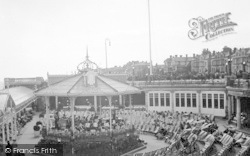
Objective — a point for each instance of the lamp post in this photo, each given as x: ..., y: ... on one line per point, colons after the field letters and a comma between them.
x: 244, y: 66
x: 229, y: 65
x: 109, y: 43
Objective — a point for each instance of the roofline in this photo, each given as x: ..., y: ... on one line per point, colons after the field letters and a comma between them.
x: 119, y: 81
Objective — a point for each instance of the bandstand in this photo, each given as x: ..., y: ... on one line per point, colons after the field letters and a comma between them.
x: 88, y: 86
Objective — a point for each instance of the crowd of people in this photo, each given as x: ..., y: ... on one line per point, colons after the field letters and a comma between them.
x: 184, y: 133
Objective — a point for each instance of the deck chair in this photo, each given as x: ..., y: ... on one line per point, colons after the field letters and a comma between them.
x: 245, y: 148
x: 209, y: 141
x: 202, y: 135
x: 227, y: 143
x: 156, y: 129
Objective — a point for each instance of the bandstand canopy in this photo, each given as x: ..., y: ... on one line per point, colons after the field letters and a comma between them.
x: 22, y: 96
x: 88, y: 84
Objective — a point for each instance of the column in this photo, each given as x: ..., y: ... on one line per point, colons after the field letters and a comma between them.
x: 12, y: 126
x: 110, y: 113
x: 120, y: 100
x: 229, y: 107
x: 238, y: 113
x: 232, y: 104
x: 130, y: 100
x: 199, y: 101
x: 100, y: 104
x: 95, y: 103
x: 3, y: 131
x: 47, y: 113
x: 72, y: 109
x: 15, y: 125
x: 8, y: 129
x: 56, y: 102
x: 172, y: 100
x: 146, y: 100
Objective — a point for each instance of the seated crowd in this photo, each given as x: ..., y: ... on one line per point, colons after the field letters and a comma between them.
x: 183, y: 133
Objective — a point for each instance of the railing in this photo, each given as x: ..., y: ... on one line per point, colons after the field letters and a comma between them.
x: 239, y: 83
x: 215, y: 82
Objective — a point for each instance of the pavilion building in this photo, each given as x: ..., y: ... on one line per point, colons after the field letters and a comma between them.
x: 87, y: 88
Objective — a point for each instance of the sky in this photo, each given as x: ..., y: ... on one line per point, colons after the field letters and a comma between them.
x: 40, y: 36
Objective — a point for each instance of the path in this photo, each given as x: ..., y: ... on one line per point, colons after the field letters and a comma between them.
x: 27, y: 140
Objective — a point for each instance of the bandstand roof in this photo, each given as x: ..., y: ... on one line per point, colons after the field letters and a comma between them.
x: 20, y: 95
x: 88, y: 84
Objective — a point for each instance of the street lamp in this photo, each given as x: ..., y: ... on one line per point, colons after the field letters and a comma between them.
x: 109, y: 44
x: 229, y: 65
x: 244, y: 66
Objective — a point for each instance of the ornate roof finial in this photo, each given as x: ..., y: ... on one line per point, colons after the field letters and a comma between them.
x: 87, y: 64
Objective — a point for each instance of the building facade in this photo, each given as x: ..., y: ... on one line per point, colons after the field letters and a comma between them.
x: 177, y: 64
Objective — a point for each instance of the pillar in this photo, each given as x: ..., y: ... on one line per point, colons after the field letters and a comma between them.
x: 47, y: 113
x: 12, y: 127
x: 100, y: 104
x: 3, y: 131
x: 8, y: 129
x: 15, y: 125
x: 238, y: 113
x: 199, y: 101
x: 232, y: 104
x: 110, y: 113
x: 72, y: 109
x: 229, y: 107
x: 130, y: 100
x: 172, y: 101
x: 120, y: 100
x: 124, y: 100
x: 95, y: 103
x: 56, y: 102
x: 146, y: 100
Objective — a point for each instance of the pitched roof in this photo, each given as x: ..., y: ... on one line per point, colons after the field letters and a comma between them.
x: 77, y: 85
x: 20, y: 95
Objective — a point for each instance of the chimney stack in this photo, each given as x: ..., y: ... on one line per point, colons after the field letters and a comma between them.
x: 186, y: 55
x: 180, y: 55
x: 193, y: 55
x: 175, y: 55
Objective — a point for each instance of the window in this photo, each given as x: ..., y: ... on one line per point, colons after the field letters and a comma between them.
x: 215, y: 100
x: 167, y: 99
x: 182, y: 100
x: 188, y: 100
x: 194, y: 100
x: 177, y: 99
x: 156, y: 99
x: 209, y: 100
x: 162, y: 99
x: 151, y: 101
x: 204, y: 101
x: 221, y: 101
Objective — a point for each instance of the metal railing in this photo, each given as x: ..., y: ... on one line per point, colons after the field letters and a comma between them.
x: 239, y: 83
x: 215, y: 82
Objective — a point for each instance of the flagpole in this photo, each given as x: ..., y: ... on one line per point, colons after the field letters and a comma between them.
x: 149, y: 32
